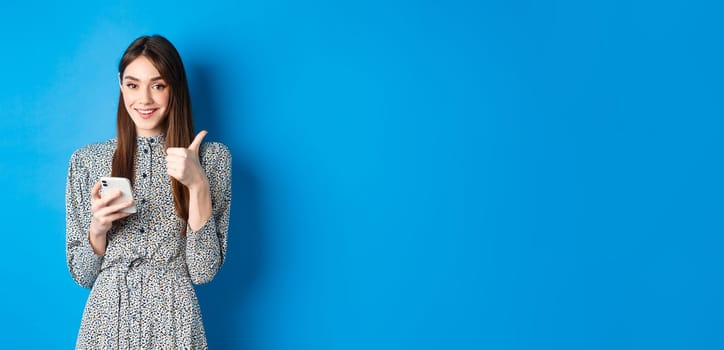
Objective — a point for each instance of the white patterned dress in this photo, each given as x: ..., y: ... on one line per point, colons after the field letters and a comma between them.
x: 141, y: 288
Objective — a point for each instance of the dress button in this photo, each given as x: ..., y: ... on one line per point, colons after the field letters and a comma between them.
x: 144, y: 175
x: 145, y: 150
x: 143, y: 200
x: 142, y: 230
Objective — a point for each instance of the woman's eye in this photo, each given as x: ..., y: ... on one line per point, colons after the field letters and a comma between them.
x: 131, y: 85
x: 159, y: 86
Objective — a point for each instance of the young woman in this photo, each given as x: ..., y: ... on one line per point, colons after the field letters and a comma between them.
x: 140, y: 267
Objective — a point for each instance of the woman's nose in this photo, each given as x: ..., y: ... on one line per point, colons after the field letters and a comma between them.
x: 146, y: 96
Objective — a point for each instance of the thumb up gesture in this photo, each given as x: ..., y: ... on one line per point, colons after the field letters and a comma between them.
x: 183, y: 163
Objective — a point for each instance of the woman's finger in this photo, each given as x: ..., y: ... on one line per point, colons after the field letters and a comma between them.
x: 178, y: 152
x: 96, y: 191
x: 104, y: 223
x: 173, y: 164
x: 117, y: 216
x: 110, y: 197
x: 120, y: 206
x: 112, y: 209
x: 100, y: 203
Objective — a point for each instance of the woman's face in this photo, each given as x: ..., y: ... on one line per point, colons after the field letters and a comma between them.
x: 145, y: 95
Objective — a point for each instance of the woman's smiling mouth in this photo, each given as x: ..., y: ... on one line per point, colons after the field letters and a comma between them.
x: 146, y: 112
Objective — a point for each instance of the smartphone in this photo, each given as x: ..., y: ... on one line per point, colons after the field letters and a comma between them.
x: 119, y: 184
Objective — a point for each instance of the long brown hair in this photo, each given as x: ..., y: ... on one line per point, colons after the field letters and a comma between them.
x: 179, y: 123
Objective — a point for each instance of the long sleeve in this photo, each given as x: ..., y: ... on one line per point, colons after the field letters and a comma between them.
x: 83, y: 263
x: 206, y: 247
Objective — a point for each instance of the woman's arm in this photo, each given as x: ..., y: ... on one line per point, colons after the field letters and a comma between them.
x: 199, y: 204
x: 83, y: 264
x: 206, y: 243
x: 209, y: 203
x: 183, y: 164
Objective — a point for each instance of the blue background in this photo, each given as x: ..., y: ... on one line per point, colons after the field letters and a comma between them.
x: 407, y: 174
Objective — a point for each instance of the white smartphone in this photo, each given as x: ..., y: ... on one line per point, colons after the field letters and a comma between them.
x: 119, y: 184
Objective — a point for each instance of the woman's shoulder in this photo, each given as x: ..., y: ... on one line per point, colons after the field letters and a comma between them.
x: 94, y: 151
x: 215, y: 154
x: 214, y: 148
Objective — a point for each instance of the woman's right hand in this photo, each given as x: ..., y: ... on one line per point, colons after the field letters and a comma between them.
x: 104, y: 214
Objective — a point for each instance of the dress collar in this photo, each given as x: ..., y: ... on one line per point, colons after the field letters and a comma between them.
x: 152, y: 140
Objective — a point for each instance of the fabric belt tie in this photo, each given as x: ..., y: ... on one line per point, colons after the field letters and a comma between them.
x: 131, y: 278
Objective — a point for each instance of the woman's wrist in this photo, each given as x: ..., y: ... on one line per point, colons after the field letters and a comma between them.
x: 97, y: 242
x: 199, y: 204
x: 95, y: 233
x: 200, y: 186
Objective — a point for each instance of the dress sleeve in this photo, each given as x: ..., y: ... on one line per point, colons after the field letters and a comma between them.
x: 83, y: 263
x: 206, y: 247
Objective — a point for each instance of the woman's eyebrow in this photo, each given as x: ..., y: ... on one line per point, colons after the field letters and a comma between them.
x: 128, y: 77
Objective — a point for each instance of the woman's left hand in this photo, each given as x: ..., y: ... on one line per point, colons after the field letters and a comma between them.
x: 183, y: 163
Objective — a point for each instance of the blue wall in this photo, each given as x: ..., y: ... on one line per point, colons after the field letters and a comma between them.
x: 407, y: 174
